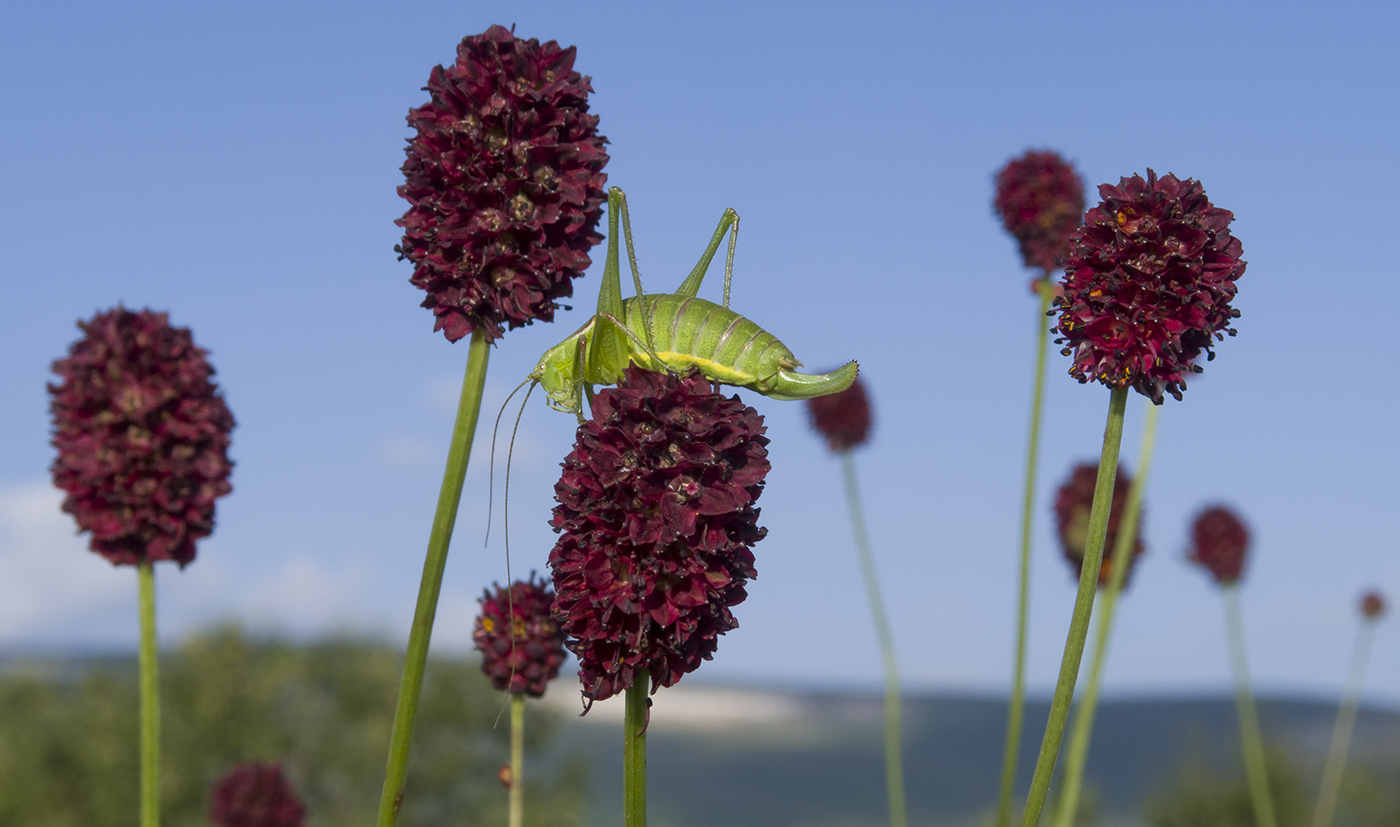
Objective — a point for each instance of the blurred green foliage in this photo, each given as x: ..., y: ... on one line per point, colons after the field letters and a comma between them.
x: 1203, y: 795
x: 68, y: 736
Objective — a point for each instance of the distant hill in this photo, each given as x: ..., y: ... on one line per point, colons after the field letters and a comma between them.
x: 740, y: 757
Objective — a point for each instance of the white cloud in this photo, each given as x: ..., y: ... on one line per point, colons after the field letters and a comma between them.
x: 51, y: 586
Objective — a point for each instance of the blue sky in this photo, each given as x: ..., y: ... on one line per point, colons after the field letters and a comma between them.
x: 237, y: 167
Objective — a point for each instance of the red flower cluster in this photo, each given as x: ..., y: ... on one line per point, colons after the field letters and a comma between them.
x: 142, y: 435
x: 1148, y: 286
x: 521, y: 646
x: 656, y: 509
x: 1219, y: 541
x: 843, y: 418
x: 1372, y: 605
x: 255, y: 795
x: 1073, y: 503
x: 1040, y: 199
x: 506, y: 184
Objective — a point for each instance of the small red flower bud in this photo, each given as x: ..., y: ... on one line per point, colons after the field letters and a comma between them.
x: 521, y: 646
x: 843, y: 418
x: 1219, y: 541
x: 505, y: 181
x: 1148, y: 286
x: 142, y: 435
x: 1372, y: 605
x: 255, y: 795
x: 1073, y: 504
x: 657, y: 520
x: 1040, y: 199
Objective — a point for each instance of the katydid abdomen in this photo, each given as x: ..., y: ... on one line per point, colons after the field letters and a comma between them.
x: 688, y: 332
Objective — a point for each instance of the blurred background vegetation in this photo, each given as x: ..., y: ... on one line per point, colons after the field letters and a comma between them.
x: 68, y: 736
x: 68, y: 749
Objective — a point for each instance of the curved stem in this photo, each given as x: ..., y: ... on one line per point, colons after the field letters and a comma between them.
x: 416, y: 658
x: 1108, y: 600
x: 1341, y: 735
x: 634, y: 753
x: 517, y: 760
x: 1083, y: 608
x: 1015, y: 713
x: 1249, y: 720
x: 894, y: 759
x: 150, y: 698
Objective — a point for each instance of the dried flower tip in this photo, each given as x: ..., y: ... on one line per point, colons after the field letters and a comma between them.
x: 657, y: 519
x: 255, y: 795
x: 505, y: 182
x: 521, y: 646
x: 1040, y: 199
x: 1073, y: 503
x: 1372, y: 605
x: 1148, y: 286
x: 843, y: 418
x: 1219, y: 540
x: 142, y: 435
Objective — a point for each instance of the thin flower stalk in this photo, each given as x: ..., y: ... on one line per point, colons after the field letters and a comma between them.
x: 435, y: 562
x: 516, y: 796
x: 1016, y: 711
x: 634, y: 751
x: 1121, y: 562
x: 1251, y: 741
x: 148, y: 664
x: 1083, y: 609
x: 1346, y: 716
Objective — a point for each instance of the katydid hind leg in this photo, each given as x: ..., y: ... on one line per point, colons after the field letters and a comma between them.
x: 728, y: 223
x: 636, y: 272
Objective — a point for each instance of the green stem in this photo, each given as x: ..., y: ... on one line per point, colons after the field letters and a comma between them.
x: 517, y: 759
x: 416, y: 658
x: 1108, y: 600
x: 150, y: 698
x: 1083, y: 608
x: 1341, y: 735
x: 1249, y: 720
x: 1015, y: 714
x: 634, y: 753
x: 894, y: 760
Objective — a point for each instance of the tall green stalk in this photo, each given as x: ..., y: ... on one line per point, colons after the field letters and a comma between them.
x: 1083, y: 608
x: 1341, y: 734
x: 894, y: 757
x: 1015, y: 714
x: 1108, y: 600
x: 517, y: 760
x: 416, y: 658
x: 634, y: 752
x: 150, y: 698
x: 1250, y: 739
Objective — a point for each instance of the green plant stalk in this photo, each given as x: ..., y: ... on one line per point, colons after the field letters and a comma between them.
x: 894, y: 757
x: 416, y: 658
x: 1103, y: 623
x: 634, y: 753
x: 517, y: 759
x: 1083, y: 609
x: 1341, y: 734
x: 150, y: 698
x: 1015, y: 714
x: 1250, y: 739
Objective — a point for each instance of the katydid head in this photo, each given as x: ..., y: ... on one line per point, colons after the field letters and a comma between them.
x: 560, y: 372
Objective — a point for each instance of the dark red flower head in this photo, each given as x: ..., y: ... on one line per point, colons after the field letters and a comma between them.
x: 1074, y: 501
x: 1372, y: 605
x: 1219, y: 541
x: 1148, y: 285
x: 521, y: 646
x: 1040, y: 199
x: 843, y: 418
x: 506, y: 184
x: 657, y: 516
x: 142, y: 435
x: 255, y: 795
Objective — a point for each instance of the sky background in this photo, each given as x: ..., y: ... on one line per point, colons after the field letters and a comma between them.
x: 237, y: 166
